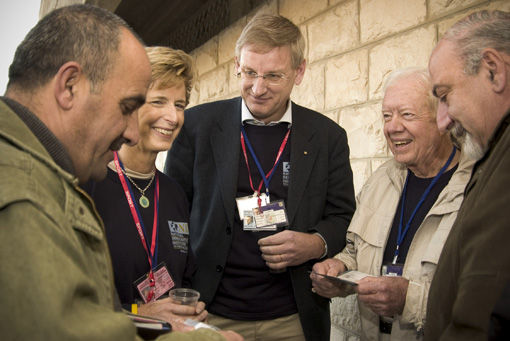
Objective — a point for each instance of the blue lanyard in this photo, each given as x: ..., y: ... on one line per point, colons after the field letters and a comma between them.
x: 267, y: 179
x: 401, y: 235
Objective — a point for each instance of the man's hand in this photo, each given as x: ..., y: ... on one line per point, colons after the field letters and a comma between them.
x: 289, y: 248
x: 166, y: 309
x: 386, y: 296
x: 326, y: 287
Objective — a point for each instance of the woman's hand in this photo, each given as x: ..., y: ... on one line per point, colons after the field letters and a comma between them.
x: 168, y: 310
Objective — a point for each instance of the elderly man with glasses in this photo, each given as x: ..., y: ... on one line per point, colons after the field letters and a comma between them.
x: 233, y: 158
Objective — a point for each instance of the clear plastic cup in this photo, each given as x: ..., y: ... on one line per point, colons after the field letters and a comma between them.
x: 184, y: 296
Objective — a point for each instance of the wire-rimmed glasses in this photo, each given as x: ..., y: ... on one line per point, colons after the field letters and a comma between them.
x: 272, y: 78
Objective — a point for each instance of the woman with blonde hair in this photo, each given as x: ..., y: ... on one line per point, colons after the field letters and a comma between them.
x: 144, y: 211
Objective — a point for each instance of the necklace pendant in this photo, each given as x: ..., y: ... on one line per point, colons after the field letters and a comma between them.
x: 144, y: 202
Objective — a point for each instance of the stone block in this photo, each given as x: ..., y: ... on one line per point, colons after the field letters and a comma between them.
x: 380, y: 18
x: 345, y: 315
x: 353, y: 338
x: 376, y: 163
x: 361, y: 170
x: 310, y: 93
x: 364, y: 127
x: 226, y: 96
x: 340, y: 334
x: 299, y: 11
x: 227, y: 41
x: 347, y: 79
x: 194, y: 95
x: 334, y: 2
x: 334, y: 31
x: 441, y: 8
x: 233, y: 81
x: 206, y: 56
x: 444, y: 25
x: 270, y: 6
x: 410, y: 49
x: 502, y: 5
x: 214, y: 84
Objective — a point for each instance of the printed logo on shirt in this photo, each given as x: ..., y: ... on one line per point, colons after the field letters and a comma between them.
x: 180, y: 234
x: 286, y: 173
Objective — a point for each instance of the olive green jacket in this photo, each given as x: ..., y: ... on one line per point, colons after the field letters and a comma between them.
x: 56, y: 278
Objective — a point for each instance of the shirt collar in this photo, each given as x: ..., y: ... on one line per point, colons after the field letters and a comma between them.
x: 247, y: 117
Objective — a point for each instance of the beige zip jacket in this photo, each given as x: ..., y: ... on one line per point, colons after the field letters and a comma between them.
x: 369, y: 231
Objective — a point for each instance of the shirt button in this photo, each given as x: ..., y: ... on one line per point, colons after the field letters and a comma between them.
x: 229, y: 230
x: 219, y: 268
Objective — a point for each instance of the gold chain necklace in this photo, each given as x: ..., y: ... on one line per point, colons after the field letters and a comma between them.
x: 144, y: 201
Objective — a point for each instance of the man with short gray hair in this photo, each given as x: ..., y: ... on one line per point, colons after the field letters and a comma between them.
x: 470, y: 71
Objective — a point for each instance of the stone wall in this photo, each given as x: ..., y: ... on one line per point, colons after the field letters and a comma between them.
x: 351, y: 46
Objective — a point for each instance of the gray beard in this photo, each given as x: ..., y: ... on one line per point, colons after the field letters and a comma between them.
x: 467, y: 143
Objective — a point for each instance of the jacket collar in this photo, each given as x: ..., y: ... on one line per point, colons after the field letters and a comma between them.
x: 398, y: 174
x: 21, y: 135
x: 247, y: 117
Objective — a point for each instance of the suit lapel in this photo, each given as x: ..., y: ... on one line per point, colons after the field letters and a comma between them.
x: 225, y: 143
x: 303, y: 154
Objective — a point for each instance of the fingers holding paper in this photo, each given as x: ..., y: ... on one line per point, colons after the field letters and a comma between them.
x: 385, y: 296
x: 324, y: 286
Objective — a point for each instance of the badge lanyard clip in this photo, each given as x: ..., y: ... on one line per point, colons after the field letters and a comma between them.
x: 266, y: 179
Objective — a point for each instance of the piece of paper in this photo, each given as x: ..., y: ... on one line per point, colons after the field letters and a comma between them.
x: 348, y: 277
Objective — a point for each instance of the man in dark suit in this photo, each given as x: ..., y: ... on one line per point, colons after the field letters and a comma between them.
x: 251, y: 153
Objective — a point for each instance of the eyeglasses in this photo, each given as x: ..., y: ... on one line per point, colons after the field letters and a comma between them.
x: 270, y: 78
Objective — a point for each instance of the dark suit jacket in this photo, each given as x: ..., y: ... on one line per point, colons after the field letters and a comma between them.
x: 204, y: 159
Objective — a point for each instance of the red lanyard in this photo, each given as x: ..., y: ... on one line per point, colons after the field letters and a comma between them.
x: 138, y: 223
x: 265, y: 178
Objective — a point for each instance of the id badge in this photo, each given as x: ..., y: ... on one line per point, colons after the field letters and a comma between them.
x: 163, y: 283
x: 270, y: 217
x: 250, y: 202
x: 390, y: 269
